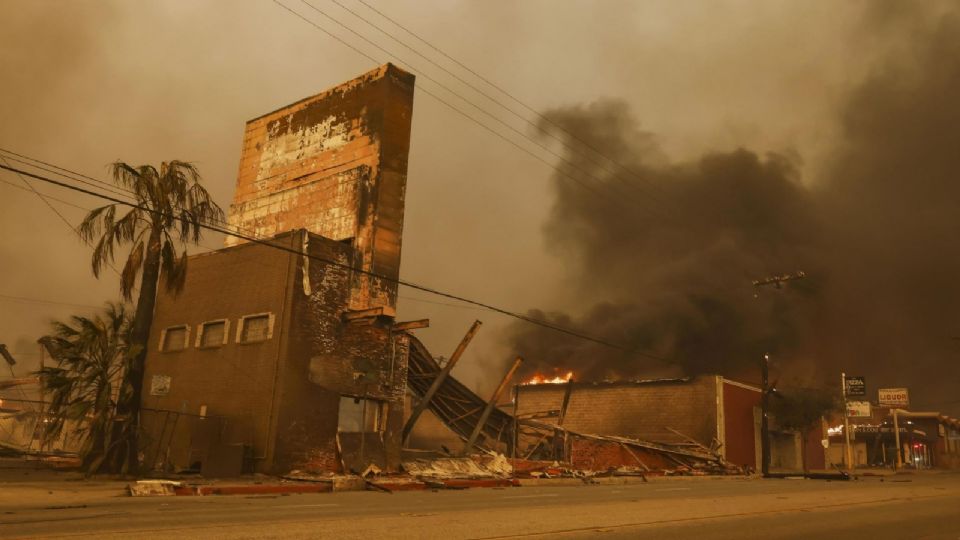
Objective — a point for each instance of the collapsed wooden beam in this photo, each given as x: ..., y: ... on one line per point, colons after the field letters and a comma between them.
x: 563, y: 414
x: 441, y: 376
x: 362, y: 314
x: 491, y: 404
x: 648, y: 445
x: 412, y: 325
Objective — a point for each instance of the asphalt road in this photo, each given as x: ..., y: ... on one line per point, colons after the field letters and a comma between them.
x: 917, y: 506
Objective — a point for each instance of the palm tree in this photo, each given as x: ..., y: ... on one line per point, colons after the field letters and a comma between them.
x: 172, y: 208
x: 91, y: 355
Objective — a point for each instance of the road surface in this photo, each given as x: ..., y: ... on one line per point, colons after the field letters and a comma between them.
x: 905, y: 506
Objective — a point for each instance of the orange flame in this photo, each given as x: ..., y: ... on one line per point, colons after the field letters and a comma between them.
x: 541, y: 379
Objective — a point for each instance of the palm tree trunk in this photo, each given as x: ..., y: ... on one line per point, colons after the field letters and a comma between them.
x: 139, y: 335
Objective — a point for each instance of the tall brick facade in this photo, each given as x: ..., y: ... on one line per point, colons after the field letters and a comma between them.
x: 336, y: 165
x: 256, y: 355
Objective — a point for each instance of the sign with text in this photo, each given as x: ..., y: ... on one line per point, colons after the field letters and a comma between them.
x: 858, y: 409
x: 893, y: 397
x: 160, y: 385
x: 856, y: 386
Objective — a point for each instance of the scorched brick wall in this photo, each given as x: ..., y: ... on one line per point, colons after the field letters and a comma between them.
x: 336, y: 165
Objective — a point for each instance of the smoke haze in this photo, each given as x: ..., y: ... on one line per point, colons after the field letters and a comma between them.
x: 770, y: 136
x: 875, y: 233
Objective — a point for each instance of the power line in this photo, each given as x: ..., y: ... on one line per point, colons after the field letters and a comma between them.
x: 565, y: 143
x: 41, y: 301
x: 112, y: 188
x: 100, y: 184
x: 45, y: 201
x: 502, y: 90
x: 430, y: 290
x: 28, y: 190
x: 43, y: 198
x: 569, y: 164
x: 413, y: 299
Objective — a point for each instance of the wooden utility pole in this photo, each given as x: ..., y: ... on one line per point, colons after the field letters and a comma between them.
x: 777, y: 282
x: 765, y: 416
x: 563, y: 415
x: 896, y: 438
x: 491, y: 404
x: 441, y: 376
x: 847, y: 455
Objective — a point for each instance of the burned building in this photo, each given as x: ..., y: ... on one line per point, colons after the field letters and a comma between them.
x: 282, y: 352
x: 706, y: 412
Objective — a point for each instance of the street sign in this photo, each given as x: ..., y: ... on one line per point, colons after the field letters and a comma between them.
x: 858, y: 409
x: 893, y: 397
x: 856, y: 386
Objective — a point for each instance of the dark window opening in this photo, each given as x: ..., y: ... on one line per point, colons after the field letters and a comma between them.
x: 255, y: 328
x: 174, y: 339
x: 213, y: 334
x: 360, y: 415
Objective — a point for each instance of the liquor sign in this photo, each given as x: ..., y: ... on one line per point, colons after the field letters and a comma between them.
x: 856, y: 386
x: 893, y: 397
x: 858, y: 409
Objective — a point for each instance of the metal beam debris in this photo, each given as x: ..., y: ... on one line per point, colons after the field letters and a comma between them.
x: 438, y: 381
x: 492, y: 403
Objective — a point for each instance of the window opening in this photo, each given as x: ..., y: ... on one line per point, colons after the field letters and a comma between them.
x: 359, y: 415
x: 174, y: 339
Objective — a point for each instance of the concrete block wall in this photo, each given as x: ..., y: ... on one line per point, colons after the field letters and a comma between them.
x: 641, y: 410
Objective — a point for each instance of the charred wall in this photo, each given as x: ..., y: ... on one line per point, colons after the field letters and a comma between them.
x: 329, y: 359
x: 336, y: 165
x: 635, y: 410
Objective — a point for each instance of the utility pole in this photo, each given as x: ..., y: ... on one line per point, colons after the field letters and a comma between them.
x: 896, y: 438
x: 847, y: 457
x: 777, y: 282
x: 764, y: 416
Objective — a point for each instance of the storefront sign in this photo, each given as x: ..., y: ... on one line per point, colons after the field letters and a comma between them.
x: 160, y: 385
x: 858, y: 409
x: 893, y: 397
x: 856, y: 386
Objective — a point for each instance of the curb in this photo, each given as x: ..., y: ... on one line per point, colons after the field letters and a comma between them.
x: 252, y: 490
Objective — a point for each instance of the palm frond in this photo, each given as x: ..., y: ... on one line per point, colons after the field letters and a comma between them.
x: 128, y: 276
x: 90, y: 354
x: 174, y: 268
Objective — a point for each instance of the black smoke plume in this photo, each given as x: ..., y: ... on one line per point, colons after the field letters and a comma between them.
x: 663, y: 261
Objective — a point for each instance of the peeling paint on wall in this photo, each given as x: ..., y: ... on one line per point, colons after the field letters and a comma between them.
x: 336, y: 165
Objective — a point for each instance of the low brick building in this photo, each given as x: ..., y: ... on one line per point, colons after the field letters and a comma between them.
x: 712, y: 410
x: 282, y: 353
x: 927, y: 440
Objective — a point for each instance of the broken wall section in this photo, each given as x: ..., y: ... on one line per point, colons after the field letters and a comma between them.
x: 639, y: 410
x: 344, y: 381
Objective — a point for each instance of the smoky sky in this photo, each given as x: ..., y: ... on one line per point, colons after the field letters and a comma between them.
x: 735, y: 101
x: 876, y: 235
x: 673, y: 252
